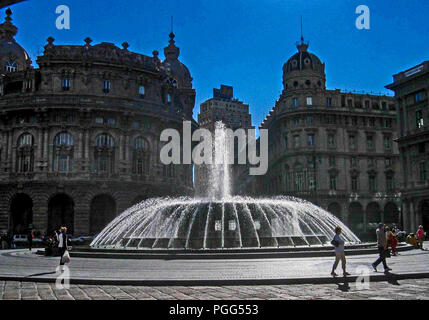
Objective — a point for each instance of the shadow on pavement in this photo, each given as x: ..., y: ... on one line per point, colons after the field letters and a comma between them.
x: 345, y: 287
x: 40, y: 274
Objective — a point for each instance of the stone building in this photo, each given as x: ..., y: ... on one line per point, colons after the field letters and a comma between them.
x: 332, y: 148
x: 79, y: 135
x: 233, y: 113
x: 412, y: 93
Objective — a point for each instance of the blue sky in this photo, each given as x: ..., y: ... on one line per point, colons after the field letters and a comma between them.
x: 244, y: 43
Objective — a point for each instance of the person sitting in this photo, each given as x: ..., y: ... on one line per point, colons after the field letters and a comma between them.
x: 411, y: 239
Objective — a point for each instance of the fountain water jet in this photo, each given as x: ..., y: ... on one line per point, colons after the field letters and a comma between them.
x: 220, y: 220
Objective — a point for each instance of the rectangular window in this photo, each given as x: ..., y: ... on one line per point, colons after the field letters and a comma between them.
x: 99, y: 120
x: 333, y: 182
x: 354, y: 183
x: 387, y: 143
x: 310, y: 140
x: 232, y: 225
x: 299, y: 181
x: 388, y: 162
x: 66, y: 84
x: 332, y: 161
x: 352, y: 142
x: 331, y: 141
x: 329, y: 102
x: 309, y: 101
x: 295, y: 102
x: 423, y: 171
x: 142, y: 91
x: 389, y: 183
x: 372, y: 186
x: 367, y: 104
x: 370, y: 142
x: 296, y: 141
x: 106, y: 86
x: 310, y: 119
x: 353, y: 162
x: 418, y: 97
x: 286, y: 142
x: 218, y: 225
x: 419, y: 119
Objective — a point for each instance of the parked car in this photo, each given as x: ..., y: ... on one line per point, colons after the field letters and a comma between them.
x: 20, y: 240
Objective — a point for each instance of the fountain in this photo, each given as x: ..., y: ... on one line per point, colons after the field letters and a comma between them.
x: 221, y: 221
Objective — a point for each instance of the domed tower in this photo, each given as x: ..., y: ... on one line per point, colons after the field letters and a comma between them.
x: 303, y: 70
x: 178, y: 73
x: 13, y: 57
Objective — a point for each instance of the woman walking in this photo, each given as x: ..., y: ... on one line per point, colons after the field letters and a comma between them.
x: 338, y: 243
x: 62, y: 245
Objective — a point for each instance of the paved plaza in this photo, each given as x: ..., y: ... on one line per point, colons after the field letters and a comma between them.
x: 401, y: 290
x: 26, y: 275
x: 23, y: 263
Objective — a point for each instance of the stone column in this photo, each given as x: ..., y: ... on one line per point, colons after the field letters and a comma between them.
x: 79, y: 145
x: 87, y: 144
x: 412, y: 217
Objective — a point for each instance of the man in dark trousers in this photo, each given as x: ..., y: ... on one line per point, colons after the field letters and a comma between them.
x: 30, y: 239
x: 382, y: 248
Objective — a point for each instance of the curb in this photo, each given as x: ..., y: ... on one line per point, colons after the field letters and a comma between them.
x: 211, y: 256
x: 390, y: 277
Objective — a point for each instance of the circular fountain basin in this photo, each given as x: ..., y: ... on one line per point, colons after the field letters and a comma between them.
x: 232, y: 223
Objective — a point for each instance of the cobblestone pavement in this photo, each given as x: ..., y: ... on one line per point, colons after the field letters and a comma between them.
x: 401, y: 290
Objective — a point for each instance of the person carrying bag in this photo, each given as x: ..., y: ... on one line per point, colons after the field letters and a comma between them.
x: 62, y: 246
x: 338, y: 243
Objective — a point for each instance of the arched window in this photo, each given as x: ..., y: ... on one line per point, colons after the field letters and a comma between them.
x: 104, y: 154
x: 140, y: 156
x: 25, y: 153
x: 10, y: 66
x: 63, y: 152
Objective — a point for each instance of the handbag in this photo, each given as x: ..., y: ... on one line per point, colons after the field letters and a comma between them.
x: 66, y: 257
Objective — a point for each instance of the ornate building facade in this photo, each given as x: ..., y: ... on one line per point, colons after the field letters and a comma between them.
x: 412, y: 93
x: 79, y: 135
x: 334, y: 149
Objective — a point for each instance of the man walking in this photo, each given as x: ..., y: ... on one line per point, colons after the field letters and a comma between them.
x: 382, y: 248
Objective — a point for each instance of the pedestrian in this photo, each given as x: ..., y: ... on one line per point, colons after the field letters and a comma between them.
x: 338, y: 243
x: 394, y: 242
x: 382, y: 248
x: 62, y: 245
x: 411, y: 239
x: 420, y: 236
x: 30, y: 239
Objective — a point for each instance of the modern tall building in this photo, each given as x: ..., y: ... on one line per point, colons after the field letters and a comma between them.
x: 80, y: 134
x: 333, y: 148
x: 224, y: 107
x: 232, y: 112
x: 412, y: 94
